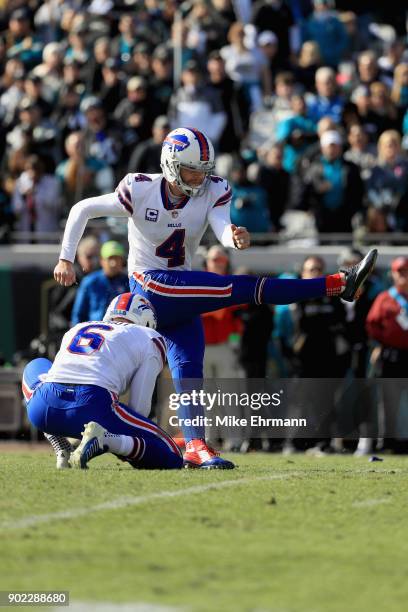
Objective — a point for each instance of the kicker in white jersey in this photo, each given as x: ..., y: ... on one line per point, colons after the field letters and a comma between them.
x: 161, y: 236
x: 164, y: 234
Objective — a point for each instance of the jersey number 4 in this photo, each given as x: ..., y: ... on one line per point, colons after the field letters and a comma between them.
x: 86, y: 342
x: 173, y: 249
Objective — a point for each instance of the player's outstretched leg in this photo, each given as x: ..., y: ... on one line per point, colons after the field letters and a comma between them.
x: 178, y: 296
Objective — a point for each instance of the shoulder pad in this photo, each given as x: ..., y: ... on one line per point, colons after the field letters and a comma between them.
x: 220, y: 190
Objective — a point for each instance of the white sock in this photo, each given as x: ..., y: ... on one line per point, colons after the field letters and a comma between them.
x: 119, y: 444
x: 365, y: 445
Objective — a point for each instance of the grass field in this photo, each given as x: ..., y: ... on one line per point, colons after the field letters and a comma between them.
x: 298, y: 534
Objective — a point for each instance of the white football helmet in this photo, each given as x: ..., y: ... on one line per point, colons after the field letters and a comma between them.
x: 133, y: 307
x: 187, y: 148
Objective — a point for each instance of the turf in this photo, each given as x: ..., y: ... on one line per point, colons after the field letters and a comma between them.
x: 298, y: 534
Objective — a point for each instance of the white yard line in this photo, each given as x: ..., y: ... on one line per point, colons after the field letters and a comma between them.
x: 123, y: 502
x: 367, y: 503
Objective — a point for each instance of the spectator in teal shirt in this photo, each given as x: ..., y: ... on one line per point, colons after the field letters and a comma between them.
x: 295, y: 133
x: 324, y: 27
x: 25, y: 46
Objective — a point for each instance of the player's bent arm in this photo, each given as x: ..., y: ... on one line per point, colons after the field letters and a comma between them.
x: 142, y: 385
x: 228, y: 234
x: 101, y: 206
x: 90, y: 208
x: 220, y: 221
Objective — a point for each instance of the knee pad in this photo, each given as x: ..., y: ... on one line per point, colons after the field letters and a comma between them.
x: 33, y: 371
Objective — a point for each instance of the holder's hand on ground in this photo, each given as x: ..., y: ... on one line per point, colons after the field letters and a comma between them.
x: 240, y: 236
x: 64, y: 273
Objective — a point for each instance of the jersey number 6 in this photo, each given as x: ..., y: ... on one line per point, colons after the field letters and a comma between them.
x: 86, y: 342
x: 173, y: 249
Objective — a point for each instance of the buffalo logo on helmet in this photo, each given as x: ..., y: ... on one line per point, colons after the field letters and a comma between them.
x: 178, y: 142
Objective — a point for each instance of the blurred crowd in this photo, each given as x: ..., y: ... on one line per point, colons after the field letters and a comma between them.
x: 305, y: 100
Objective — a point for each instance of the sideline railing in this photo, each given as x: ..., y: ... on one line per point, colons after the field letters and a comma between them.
x: 261, y: 239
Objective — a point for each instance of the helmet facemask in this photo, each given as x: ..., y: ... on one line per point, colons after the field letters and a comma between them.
x: 189, y: 190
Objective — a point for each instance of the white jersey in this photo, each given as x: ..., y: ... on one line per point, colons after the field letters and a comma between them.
x: 112, y: 355
x: 161, y: 236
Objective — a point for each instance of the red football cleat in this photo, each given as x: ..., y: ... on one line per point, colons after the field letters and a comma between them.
x: 199, y: 455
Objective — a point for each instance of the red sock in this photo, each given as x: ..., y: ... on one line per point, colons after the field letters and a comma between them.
x: 335, y: 284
